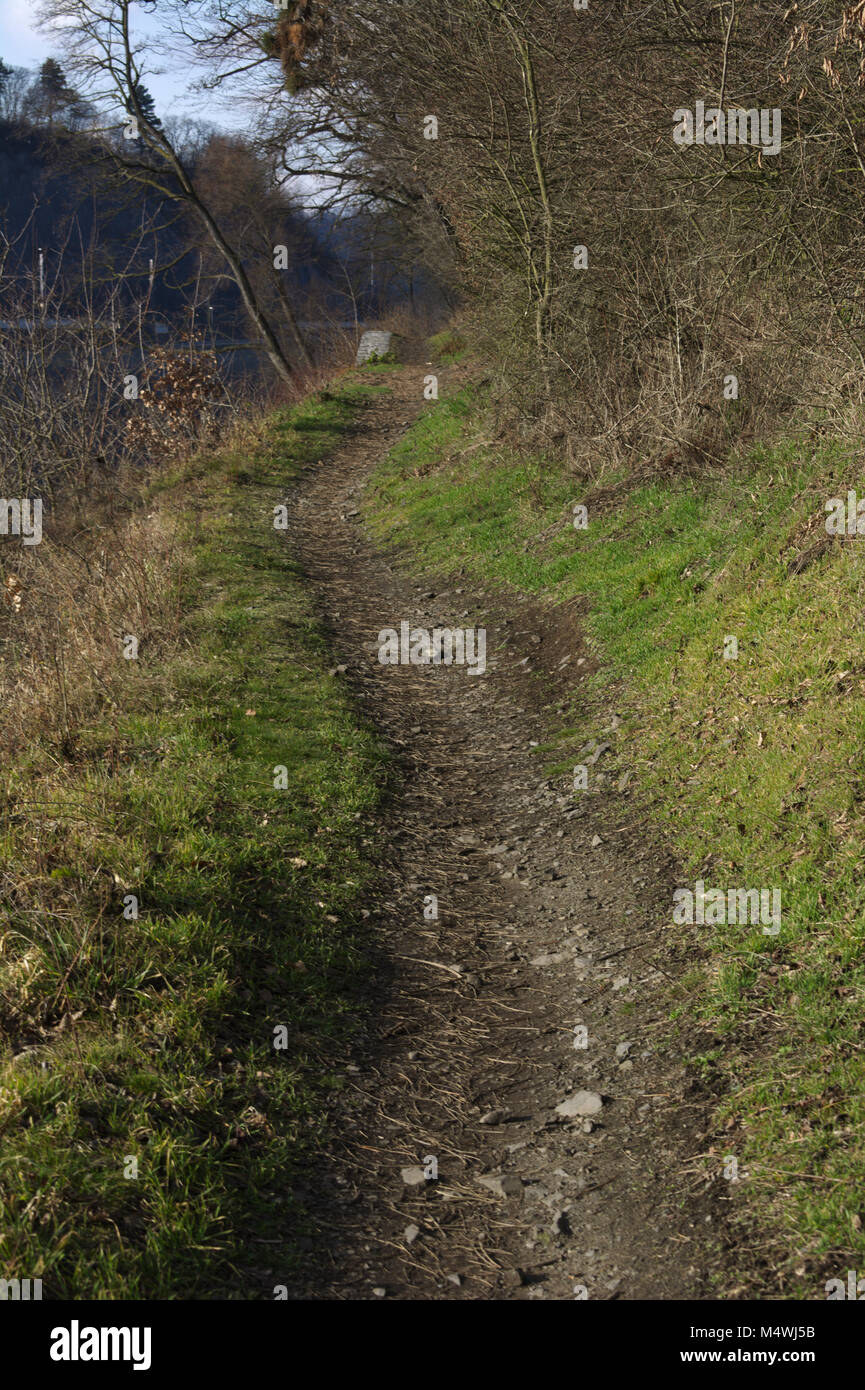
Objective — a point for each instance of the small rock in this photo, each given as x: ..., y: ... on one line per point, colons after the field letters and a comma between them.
x: 623, y: 1048
x: 508, y: 1186
x: 492, y: 1117
x: 580, y: 1103
x: 410, y: 1234
x: 373, y: 343
x: 554, y: 958
x: 454, y: 1279
x: 596, y: 841
x: 413, y: 1177
x: 380, y: 1292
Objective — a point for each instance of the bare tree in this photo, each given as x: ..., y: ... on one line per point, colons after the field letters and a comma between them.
x: 614, y: 276
x: 13, y: 92
x: 97, y: 41
x: 253, y: 211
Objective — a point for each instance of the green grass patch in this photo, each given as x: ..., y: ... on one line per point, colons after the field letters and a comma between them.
x: 447, y: 346
x: 150, y: 1128
x: 753, y: 766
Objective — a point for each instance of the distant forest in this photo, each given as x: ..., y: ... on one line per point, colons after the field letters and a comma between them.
x: 73, y: 229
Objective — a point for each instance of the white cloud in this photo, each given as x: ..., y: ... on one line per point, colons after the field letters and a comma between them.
x: 20, y: 42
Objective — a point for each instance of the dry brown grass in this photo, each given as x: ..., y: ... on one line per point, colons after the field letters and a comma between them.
x: 89, y: 584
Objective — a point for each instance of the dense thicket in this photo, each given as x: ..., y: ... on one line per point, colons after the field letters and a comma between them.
x: 553, y: 129
x: 101, y: 233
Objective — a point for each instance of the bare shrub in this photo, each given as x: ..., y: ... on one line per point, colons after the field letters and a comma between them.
x: 179, y: 399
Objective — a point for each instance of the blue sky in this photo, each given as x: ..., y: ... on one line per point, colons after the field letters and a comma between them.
x: 22, y: 45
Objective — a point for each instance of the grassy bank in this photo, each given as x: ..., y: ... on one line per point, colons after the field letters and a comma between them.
x: 166, y: 907
x: 753, y: 764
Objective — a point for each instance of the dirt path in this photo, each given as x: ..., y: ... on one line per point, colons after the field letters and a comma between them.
x: 539, y: 931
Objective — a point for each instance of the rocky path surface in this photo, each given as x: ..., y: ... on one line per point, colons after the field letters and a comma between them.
x: 562, y: 1171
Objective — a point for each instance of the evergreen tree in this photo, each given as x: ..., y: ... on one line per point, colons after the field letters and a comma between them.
x: 52, y: 79
x: 143, y: 103
x: 51, y: 101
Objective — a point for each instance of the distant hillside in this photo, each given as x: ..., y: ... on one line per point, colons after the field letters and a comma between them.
x: 56, y: 194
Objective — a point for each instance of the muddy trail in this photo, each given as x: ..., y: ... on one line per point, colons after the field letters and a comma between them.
x: 549, y: 910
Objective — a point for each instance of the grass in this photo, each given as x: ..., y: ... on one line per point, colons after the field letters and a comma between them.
x: 170, y: 900
x: 754, y: 767
x: 446, y: 347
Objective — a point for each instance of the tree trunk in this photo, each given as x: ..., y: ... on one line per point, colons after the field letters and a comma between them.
x: 293, y: 329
